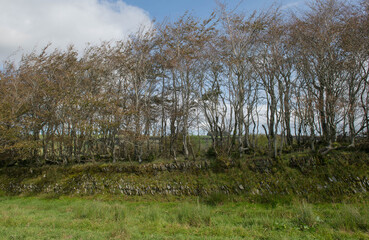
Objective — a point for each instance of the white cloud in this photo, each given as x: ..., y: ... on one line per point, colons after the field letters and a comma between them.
x: 26, y: 24
x: 291, y: 5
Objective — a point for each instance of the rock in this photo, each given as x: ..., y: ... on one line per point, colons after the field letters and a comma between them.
x: 332, y: 179
x: 241, y: 187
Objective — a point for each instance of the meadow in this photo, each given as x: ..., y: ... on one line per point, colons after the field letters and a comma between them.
x: 194, y: 218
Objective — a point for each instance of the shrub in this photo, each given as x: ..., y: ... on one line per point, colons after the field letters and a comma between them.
x: 210, y: 153
x: 221, y: 163
x: 150, y: 157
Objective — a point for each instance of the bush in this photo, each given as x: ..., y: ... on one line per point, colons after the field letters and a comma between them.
x: 210, y: 153
x: 150, y: 157
x: 221, y: 163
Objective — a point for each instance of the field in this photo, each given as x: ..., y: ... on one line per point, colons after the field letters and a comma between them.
x: 82, y: 218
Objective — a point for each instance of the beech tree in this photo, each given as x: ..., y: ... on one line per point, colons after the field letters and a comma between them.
x: 241, y: 39
x: 299, y: 79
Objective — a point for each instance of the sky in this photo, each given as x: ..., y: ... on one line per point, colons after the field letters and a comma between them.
x: 26, y: 25
x: 160, y: 9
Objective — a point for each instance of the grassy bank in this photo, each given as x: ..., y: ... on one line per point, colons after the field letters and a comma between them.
x: 76, y: 218
x: 337, y: 177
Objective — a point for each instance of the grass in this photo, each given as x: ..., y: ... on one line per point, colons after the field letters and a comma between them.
x: 306, y: 218
x: 78, y: 218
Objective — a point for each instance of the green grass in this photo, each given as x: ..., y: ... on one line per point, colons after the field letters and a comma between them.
x: 76, y: 218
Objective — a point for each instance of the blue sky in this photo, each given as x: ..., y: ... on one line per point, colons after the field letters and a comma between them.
x: 159, y: 9
x: 28, y: 25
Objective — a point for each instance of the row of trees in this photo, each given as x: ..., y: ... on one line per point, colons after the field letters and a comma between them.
x: 294, y: 77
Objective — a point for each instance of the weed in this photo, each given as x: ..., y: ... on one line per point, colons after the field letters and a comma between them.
x: 273, y: 201
x: 350, y: 218
x: 306, y: 217
x: 152, y: 214
x: 120, y: 233
x: 99, y: 210
x: 194, y: 215
x: 215, y: 198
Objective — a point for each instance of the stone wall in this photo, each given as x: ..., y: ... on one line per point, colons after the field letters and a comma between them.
x: 254, y: 178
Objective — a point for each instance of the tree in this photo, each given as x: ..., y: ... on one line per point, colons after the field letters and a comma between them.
x: 316, y: 36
